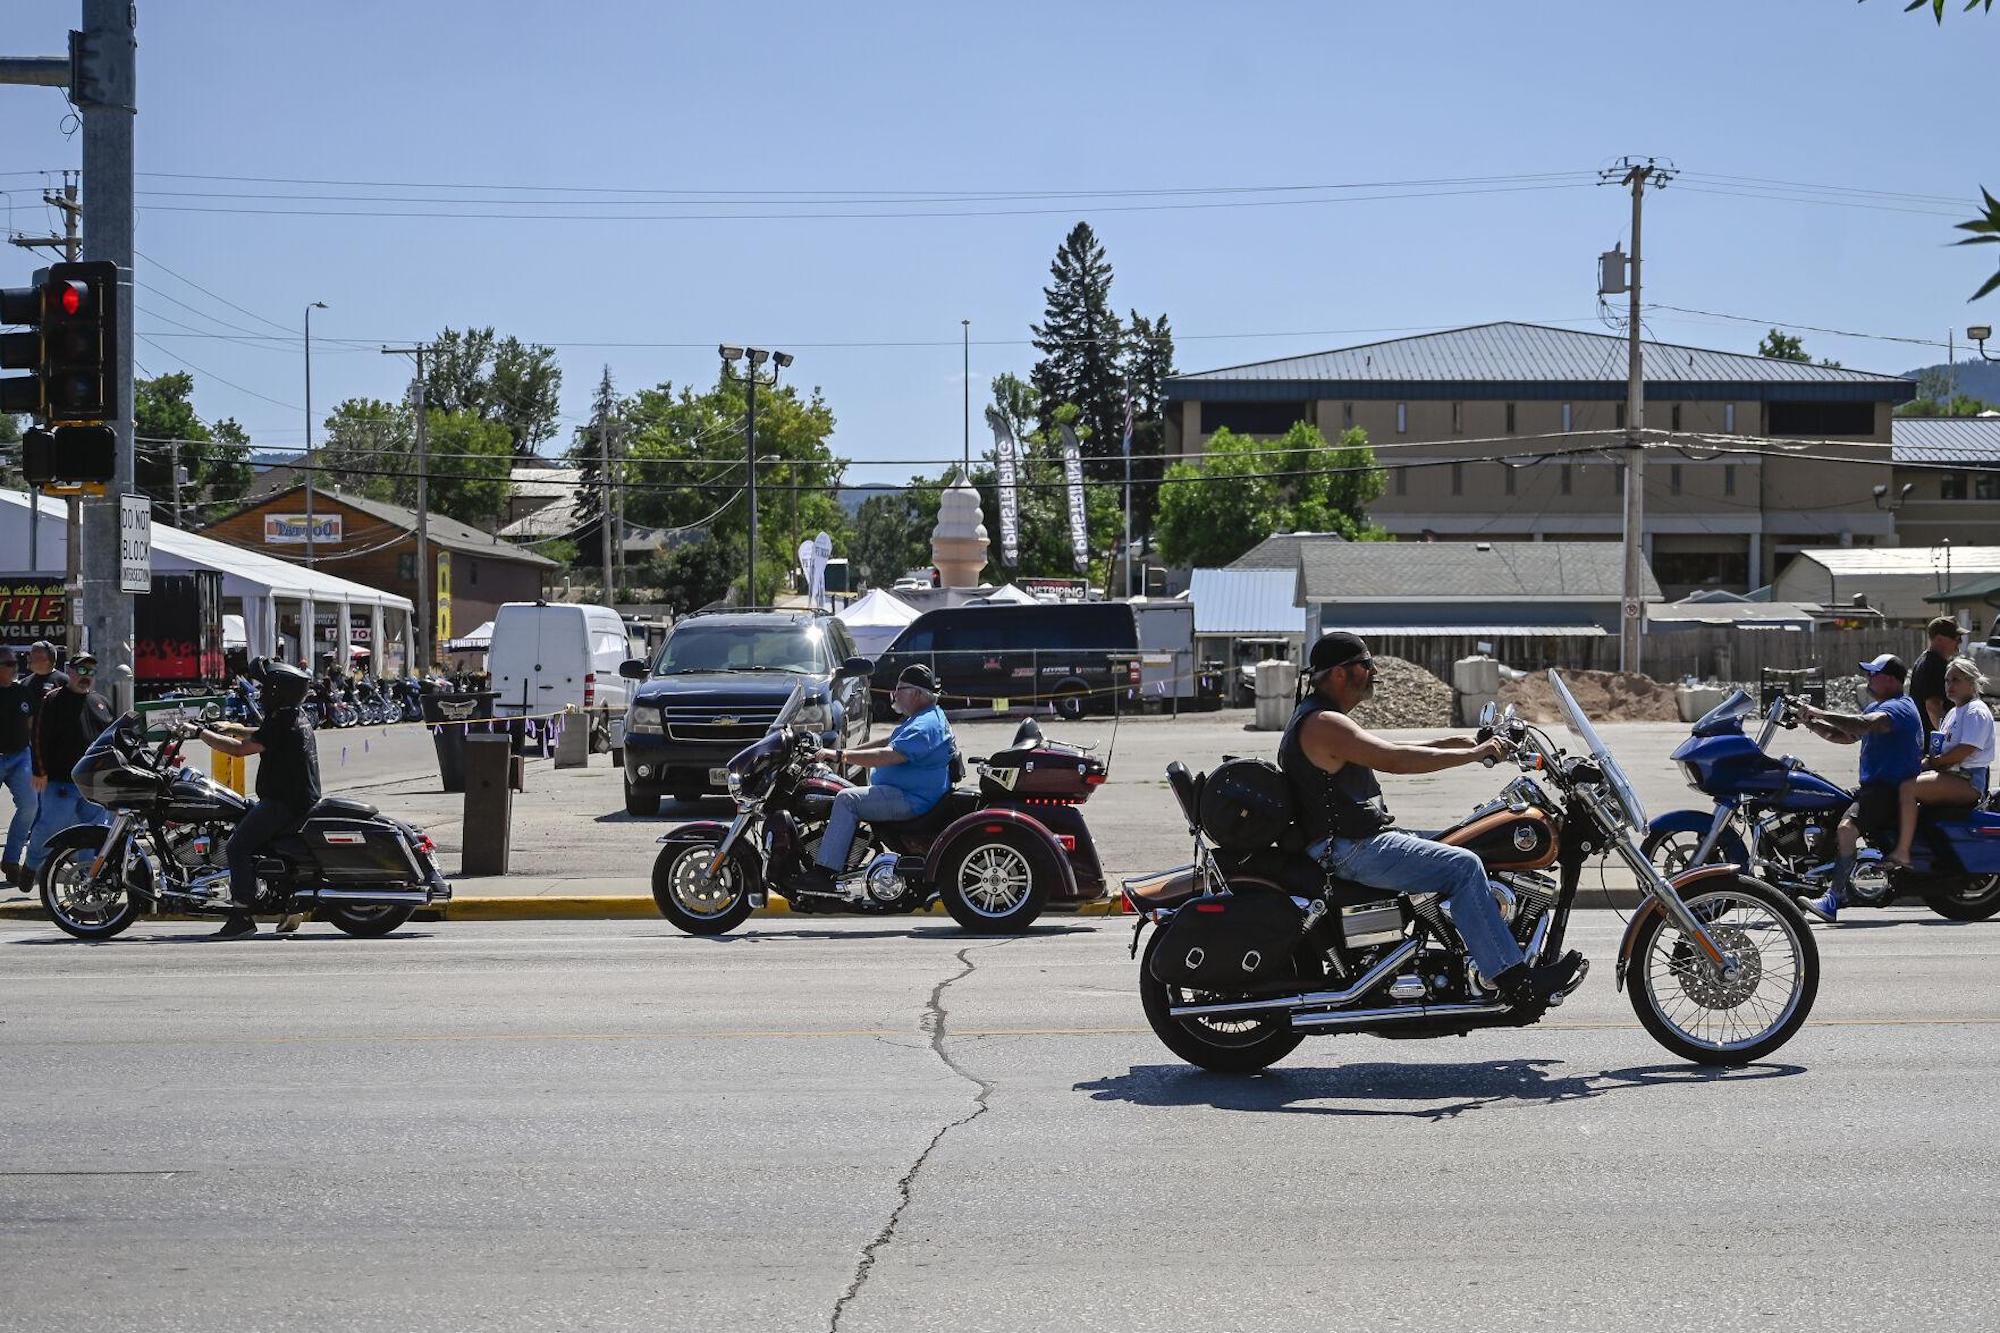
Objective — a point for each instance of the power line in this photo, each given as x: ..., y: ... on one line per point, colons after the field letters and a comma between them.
x: 1806, y: 328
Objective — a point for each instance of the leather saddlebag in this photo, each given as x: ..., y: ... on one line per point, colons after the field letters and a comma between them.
x: 1246, y: 804
x: 1228, y: 941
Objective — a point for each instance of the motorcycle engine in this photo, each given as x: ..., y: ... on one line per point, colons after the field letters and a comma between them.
x: 884, y: 885
x: 197, y: 846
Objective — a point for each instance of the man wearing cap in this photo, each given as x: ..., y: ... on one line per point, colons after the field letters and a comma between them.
x: 17, y: 770
x: 68, y: 720
x: 911, y: 773
x: 1331, y: 764
x: 1927, y: 677
x: 1891, y: 735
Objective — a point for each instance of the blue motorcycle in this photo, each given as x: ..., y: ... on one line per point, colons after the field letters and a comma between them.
x: 1777, y: 818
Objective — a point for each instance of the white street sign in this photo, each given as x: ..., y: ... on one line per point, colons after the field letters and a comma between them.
x: 135, y: 543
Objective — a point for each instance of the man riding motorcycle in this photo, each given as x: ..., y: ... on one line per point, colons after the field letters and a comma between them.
x: 1891, y: 734
x: 910, y: 774
x: 287, y: 786
x: 1331, y: 763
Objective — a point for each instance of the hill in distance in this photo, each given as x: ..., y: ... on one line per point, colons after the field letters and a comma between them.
x: 1976, y: 379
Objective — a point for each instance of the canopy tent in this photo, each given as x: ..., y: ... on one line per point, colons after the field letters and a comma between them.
x: 234, y: 635
x: 1010, y: 594
x: 875, y: 620
x: 257, y: 582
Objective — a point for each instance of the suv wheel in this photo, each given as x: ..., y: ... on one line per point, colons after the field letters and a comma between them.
x: 641, y: 799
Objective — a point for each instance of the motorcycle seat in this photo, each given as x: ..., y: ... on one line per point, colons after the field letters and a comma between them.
x: 954, y: 803
x: 339, y: 807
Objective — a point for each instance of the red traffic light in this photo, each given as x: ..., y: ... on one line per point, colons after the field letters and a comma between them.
x: 69, y: 296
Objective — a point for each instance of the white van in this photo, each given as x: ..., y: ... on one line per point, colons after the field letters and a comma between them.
x: 548, y: 655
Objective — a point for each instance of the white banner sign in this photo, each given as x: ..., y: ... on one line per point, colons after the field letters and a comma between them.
x: 1079, y: 532
x: 290, y: 529
x: 1010, y: 497
x: 135, y: 543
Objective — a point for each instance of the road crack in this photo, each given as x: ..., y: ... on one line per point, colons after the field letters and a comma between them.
x: 933, y: 1023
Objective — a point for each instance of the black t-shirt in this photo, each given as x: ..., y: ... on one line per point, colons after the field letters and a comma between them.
x: 288, y: 770
x: 1927, y: 683
x: 17, y: 713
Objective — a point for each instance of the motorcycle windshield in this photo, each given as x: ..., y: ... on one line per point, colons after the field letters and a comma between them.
x: 1614, y: 776
x: 119, y: 739
x: 1726, y: 716
x: 793, y: 702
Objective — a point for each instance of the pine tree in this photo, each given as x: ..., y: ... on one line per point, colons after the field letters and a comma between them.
x: 583, y: 455
x: 1080, y: 340
x: 1148, y: 361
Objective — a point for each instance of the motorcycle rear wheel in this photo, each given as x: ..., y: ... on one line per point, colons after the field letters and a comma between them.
x: 1676, y: 992
x: 998, y: 883
x: 370, y: 923
x: 79, y: 908
x: 1225, y: 1046
x: 1970, y: 898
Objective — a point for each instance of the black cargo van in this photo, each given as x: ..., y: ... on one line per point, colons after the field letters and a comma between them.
x: 1074, y: 655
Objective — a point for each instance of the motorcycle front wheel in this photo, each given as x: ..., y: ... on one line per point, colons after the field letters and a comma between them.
x: 1968, y: 898
x: 1691, y: 1007
x: 1225, y: 1044
x: 86, y: 909
x: 694, y: 900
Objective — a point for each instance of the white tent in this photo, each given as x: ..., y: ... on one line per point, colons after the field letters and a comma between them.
x: 1011, y: 594
x: 476, y: 642
x: 875, y: 620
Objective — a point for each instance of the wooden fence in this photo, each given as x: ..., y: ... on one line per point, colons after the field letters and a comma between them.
x: 1706, y: 652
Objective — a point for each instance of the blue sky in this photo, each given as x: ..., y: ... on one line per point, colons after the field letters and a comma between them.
x: 875, y: 101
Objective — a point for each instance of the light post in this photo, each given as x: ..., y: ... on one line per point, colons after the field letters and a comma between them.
x: 750, y: 379
x: 308, y: 457
x: 1979, y: 333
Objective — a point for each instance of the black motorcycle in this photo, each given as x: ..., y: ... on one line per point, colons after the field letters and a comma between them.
x: 163, y: 853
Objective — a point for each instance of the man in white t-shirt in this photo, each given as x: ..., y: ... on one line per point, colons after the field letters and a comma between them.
x: 1959, y: 773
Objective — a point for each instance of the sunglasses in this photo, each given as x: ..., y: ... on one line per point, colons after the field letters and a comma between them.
x: 83, y: 671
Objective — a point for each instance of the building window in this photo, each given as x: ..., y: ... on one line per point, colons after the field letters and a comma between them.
x: 1510, y: 418
x: 1254, y: 418
x: 1402, y: 418
x: 1508, y: 473
x: 1567, y: 475
x: 1569, y: 416
x: 472, y: 572
x: 1951, y: 486
x: 1674, y: 479
x: 1458, y: 479
x: 1729, y: 418
x: 1729, y: 478
x: 1986, y: 486
x: 1347, y: 416
x: 1402, y: 481
x: 1674, y: 417
x: 1458, y: 418
x: 1821, y: 418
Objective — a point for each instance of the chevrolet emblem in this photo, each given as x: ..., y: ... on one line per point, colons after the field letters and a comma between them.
x: 727, y: 721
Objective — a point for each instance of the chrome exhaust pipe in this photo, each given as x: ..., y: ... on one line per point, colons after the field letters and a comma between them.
x: 1354, y: 1018
x: 1372, y: 978
x: 367, y: 897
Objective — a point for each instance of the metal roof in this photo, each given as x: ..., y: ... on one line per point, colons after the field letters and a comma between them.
x: 1854, y: 561
x: 1420, y: 572
x: 1246, y: 601
x: 1280, y: 550
x: 1482, y: 631
x: 544, y: 483
x: 1529, y: 361
x: 1976, y: 590
x: 1945, y: 440
x: 448, y: 533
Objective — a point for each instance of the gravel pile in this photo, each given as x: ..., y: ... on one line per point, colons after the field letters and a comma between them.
x: 1406, y: 695
x: 1605, y: 696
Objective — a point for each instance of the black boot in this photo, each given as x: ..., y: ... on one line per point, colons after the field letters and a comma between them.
x: 240, y: 925
x: 1525, y: 987
x: 811, y: 879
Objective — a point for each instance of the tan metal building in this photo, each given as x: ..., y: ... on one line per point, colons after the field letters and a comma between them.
x: 1952, y: 467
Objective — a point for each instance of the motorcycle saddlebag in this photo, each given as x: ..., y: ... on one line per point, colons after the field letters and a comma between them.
x: 1246, y: 804
x: 358, y: 851
x: 1225, y: 942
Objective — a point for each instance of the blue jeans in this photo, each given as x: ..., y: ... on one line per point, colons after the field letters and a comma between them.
x: 852, y: 806
x: 62, y: 806
x: 17, y: 775
x: 1408, y: 864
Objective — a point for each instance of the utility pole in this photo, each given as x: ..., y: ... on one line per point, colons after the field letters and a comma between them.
x: 604, y: 480
x: 71, y: 244
x: 752, y: 357
x: 1636, y: 175
x: 422, y: 632
x: 310, y: 555
x: 618, y: 544
x: 965, y: 326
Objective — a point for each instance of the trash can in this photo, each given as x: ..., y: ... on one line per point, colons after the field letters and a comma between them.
x: 1277, y: 694
x: 446, y: 712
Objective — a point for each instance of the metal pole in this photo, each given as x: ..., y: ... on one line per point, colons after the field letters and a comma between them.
x: 604, y: 495
x: 618, y: 541
x: 1631, y: 621
x: 750, y: 461
x: 174, y: 463
x: 1128, y: 494
x: 423, y: 631
x: 108, y: 108
x: 308, y: 459
x: 965, y: 325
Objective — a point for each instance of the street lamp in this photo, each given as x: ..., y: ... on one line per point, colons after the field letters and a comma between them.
x: 1979, y: 333
x: 316, y: 305
x: 750, y: 379
x: 1882, y: 500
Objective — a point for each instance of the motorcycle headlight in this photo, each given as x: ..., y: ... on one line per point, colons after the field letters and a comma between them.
x: 813, y: 717
x: 1692, y: 774
x: 643, y: 721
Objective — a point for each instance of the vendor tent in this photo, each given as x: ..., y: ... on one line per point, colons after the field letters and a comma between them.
x: 1011, y: 594
x: 875, y: 620
x: 478, y: 641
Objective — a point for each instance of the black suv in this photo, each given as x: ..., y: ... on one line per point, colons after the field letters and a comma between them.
x: 718, y: 681
x: 1074, y: 655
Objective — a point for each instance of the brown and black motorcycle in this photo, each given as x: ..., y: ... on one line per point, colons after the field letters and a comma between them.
x: 1257, y: 948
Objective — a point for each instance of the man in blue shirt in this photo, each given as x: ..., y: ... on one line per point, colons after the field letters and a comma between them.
x: 1891, y: 734
x: 910, y: 775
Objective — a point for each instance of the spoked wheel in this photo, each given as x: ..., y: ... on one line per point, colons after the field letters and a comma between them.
x: 1970, y: 898
x: 370, y: 922
x: 80, y: 906
x: 1227, y: 1044
x: 1739, y: 1012
x: 997, y: 883
x: 693, y: 899
x: 1672, y: 850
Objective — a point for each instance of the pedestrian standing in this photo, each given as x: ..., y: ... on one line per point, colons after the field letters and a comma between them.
x: 66, y: 723
x: 17, y: 771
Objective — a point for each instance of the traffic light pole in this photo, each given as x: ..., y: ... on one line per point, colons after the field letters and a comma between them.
x: 109, y: 101
x: 71, y: 244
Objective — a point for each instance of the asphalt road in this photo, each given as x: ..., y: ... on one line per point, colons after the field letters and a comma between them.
x: 872, y: 1127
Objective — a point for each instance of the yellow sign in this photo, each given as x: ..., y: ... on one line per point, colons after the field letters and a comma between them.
x: 444, y: 597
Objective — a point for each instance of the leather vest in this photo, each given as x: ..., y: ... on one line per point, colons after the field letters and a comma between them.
x: 1346, y: 804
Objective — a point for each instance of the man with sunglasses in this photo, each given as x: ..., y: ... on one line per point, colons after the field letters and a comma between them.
x: 1331, y: 763
x: 18, y: 698
x: 68, y: 720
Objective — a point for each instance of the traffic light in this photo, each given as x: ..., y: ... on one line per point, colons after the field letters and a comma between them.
x: 69, y: 455
x: 72, y: 349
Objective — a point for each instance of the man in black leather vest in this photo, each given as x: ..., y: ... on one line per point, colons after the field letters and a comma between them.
x: 1331, y: 763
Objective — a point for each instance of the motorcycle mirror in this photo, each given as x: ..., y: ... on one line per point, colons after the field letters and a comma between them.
x: 1488, y: 713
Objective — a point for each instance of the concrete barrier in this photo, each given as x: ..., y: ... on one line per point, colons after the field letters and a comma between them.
x: 1694, y: 700
x: 1277, y: 694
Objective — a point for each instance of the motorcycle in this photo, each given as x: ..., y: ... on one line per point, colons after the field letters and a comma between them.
x: 1777, y: 817
x: 363, y: 871
x: 1254, y: 950
x: 995, y: 856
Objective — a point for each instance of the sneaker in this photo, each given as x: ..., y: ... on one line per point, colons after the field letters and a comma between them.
x: 236, y: 928
x: 290, y: 922
x: 1826, y: 907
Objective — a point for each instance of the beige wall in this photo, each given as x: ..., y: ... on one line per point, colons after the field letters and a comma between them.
x: 1927, y: 518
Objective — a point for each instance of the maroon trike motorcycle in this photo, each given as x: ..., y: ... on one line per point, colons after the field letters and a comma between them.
x: 996, y: 856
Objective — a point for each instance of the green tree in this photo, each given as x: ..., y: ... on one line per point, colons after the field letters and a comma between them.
x: 1243, y: 490
x: 693, y: 575
x: 892, y: 532
x: 1081, y: 341
x: 10, y: 453
x: 1046, y: 548
x: 370, y: 450
x: 1782, y: 347
x: 496, y: 379
x: 1936, y: 398
x: 168, y: 433
x: 1148, y: 362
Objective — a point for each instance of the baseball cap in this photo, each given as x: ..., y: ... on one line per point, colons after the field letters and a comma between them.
x: 1335, y: 649
x: 1945, y: 625
x: 921, y: 676
x: 1887, y: 664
